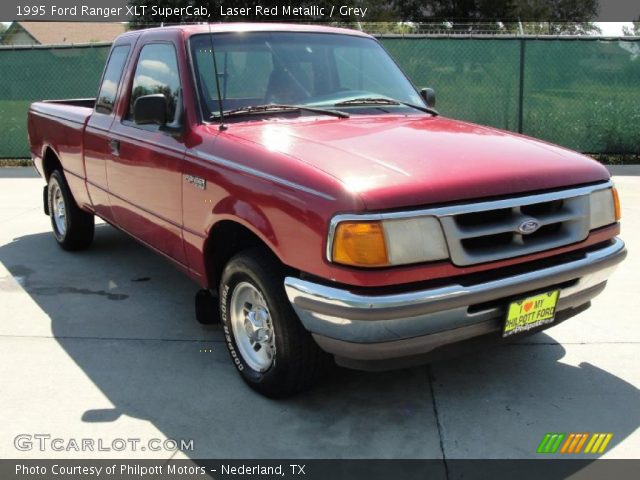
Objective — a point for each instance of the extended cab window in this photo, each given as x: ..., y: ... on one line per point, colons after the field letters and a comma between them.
x: 157, y: 72
x: 112, y: 74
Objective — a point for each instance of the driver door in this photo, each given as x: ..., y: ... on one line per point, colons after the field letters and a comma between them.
x: 145, y: 172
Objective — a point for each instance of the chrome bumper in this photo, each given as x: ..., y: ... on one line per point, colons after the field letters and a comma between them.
x: 350, y: 324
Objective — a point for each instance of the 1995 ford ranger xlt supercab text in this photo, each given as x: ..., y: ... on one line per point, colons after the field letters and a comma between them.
x: 299, y: 177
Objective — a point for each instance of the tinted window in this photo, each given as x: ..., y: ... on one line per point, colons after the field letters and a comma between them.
x: 244, y: 72
x: 362, y: 69
x: 112, y: 74
x: 157, y: 72
x: 257, y: 68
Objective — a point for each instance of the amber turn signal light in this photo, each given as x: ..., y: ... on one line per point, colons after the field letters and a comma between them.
x: 616, y: 204
x: 360, y: 244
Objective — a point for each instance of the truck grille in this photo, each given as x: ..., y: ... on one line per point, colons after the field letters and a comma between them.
x: 523, y: 226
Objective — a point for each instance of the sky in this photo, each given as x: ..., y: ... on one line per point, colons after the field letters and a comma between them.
x: 612, y: 28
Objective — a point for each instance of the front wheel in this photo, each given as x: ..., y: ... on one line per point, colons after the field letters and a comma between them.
x: 72, y: 227
x: 270, y: 348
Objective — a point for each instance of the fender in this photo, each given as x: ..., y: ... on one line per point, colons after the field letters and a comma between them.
x: 43, y: 154
x: 249, y: 216
x: 210, y: 260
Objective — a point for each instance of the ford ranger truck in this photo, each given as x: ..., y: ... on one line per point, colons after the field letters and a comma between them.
x: 321, y: 202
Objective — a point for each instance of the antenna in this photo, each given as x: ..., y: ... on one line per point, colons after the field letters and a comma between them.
x: 215, y: 71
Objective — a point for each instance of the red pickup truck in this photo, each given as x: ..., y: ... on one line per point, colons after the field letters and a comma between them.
x: 320, y: 200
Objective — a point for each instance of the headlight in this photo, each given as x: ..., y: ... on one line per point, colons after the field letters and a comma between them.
x: 604, y: 208
x: 390, y: 242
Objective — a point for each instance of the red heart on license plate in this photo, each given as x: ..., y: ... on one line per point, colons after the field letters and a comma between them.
x: 527, y: 306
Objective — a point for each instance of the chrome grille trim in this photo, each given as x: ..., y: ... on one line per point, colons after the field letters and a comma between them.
x: 514, y: 202
x: 492, y: 241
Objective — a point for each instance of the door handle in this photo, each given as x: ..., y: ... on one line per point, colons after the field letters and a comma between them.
x: 114, y: 146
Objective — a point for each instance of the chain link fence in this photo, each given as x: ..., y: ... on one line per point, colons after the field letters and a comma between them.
x: 31, y: 74
x: 582, y: 93
x: 579, y: 92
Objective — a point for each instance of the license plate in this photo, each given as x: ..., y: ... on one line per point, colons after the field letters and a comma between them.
x: 530, y: 312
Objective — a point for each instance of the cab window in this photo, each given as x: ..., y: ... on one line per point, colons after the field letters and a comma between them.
x: 113, y: 72
x: 157, y: 72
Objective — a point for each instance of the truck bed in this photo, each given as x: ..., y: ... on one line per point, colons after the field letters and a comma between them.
x: 59, y: 125
x: 74, y: 109
x: 73, y: 102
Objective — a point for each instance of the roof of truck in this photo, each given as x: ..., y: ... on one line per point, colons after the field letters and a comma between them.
x: 194, y: 29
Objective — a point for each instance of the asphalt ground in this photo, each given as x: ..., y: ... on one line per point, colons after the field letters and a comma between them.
x: 104, y: 345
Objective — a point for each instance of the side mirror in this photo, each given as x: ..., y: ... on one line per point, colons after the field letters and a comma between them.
x: 429, y: 96
x: 150, y: 109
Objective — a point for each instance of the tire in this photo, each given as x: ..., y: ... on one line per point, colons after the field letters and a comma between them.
x: 288, y: 360
x: 73, y: 228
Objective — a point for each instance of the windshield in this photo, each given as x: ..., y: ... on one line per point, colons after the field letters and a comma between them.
x: 297, y: 68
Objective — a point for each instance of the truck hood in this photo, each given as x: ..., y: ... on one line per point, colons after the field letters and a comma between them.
x: 402, y: 161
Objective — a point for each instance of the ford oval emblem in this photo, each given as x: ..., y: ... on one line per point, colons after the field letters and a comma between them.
x: 528, y: 226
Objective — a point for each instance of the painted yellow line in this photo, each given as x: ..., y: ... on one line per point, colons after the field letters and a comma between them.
x: 598, y: 442
x: 607, y: 439
x: 582, y: 440
x: 590, y: 444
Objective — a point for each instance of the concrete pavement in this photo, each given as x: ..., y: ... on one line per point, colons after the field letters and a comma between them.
x: 103, y: 344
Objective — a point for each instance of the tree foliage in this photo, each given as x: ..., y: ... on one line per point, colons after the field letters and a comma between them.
x: 539, y: 16
x: 633, y: 30
x: 544, y: 16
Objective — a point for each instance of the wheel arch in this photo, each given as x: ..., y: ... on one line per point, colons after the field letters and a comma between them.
x: 227, y: 238
x: 50, y: 161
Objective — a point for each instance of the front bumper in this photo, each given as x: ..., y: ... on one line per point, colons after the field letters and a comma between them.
x: 360, y: 329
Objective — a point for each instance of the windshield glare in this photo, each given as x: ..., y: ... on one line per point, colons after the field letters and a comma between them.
x: 310, y: 69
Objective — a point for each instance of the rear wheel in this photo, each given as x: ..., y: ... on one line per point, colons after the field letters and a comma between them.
x: 272, y: 351
x: 72, y: 227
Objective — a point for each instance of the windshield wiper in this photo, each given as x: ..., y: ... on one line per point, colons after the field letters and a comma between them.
x: 383, y: 101
x: 275, y: 108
